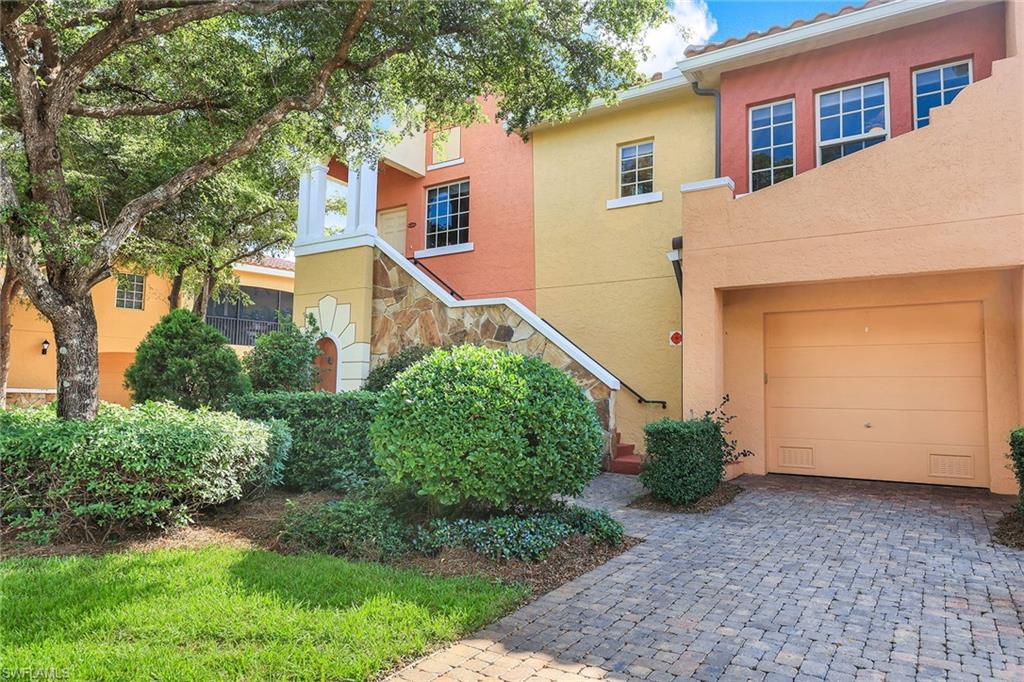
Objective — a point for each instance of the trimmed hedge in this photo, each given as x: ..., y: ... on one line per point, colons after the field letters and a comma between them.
x: 685, y: 459
x: 283, y: 359
x: 330, y: 448
x: 1017, y: 456
x: 151, y: 465
x: 383, y: 374
x: 475, y: 425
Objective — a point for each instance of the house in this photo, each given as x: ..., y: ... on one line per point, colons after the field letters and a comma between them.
x: 127, y: 307
x: 822, y: 220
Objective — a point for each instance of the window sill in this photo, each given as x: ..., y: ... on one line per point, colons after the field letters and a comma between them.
x: 443, y: 250
x: 446, y: 164
x: 635, y: 200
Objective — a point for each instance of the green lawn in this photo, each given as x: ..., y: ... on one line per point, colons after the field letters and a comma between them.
x: 226, y: 613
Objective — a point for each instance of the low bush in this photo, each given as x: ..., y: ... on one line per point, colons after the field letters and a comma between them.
x: 384, y: 373
x: 1017, y: 457
x: 329, y: 431
x: 481, y: 426
x: 355, y: 528
x: 185, y: 361
x: 150, y: 465
x: 283, y: 360
x: 685, y: 459
x: 525, y: 538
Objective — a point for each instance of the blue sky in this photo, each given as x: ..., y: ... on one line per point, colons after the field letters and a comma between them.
x: 714, y: 20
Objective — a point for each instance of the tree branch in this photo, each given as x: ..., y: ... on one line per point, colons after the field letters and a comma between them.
x: 249, y: 254
x: 134, y: 211
x: 139, y: 108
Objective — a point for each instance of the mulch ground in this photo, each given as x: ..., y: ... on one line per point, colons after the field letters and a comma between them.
x: 1010, y: 530
x: 256, y: 523
x: 722, y: 495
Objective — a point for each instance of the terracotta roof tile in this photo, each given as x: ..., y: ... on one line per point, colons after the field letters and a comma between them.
x: 272, y: 262
x: 710, y: 47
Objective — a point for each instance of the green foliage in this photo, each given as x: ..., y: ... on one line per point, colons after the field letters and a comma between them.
x: 283, y: 360
x: 1017, y: 457
x: 528, y: 537
x: 152, y: 464
x: 685, y: 459
x: 330, y: 449
x: 384, y: 373
x: 186, y: 614
x: 355, y: 528
x: 475, y: 425
x: 185, y: 361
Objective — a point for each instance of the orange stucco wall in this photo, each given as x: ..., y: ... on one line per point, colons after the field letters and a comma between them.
x: 500, y: 170
x: 120, y: 331
x: 976, y: 33
x: 933, y: 215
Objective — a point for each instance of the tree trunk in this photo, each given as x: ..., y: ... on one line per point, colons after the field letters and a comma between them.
x: 75, y: 333
x: 8, y: 290
x: 175, y: 297
x: 203, y: 298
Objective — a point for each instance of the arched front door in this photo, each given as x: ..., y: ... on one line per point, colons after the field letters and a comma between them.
x: 327, y: 365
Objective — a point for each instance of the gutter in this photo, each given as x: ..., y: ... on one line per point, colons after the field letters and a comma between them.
x: 717, y: 94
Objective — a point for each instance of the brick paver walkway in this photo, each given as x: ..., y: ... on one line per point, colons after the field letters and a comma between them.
x: 799, y: 578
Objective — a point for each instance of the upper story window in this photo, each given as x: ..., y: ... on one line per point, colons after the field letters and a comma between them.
x: 131, y: 291
x: 636, y: 169
x: 852, y: 118
x: 938, y: 85
x: 772, y: 150
x: 448, y: 215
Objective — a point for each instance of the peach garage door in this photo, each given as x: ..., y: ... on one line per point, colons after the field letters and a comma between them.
x: 894, y: 393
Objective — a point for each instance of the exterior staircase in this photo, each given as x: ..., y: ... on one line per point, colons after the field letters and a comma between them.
x: 624, y: 458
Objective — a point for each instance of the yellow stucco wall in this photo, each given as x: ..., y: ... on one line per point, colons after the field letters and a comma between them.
x: 120, y: 331
x: 602, y: 276
x: 346, y: 275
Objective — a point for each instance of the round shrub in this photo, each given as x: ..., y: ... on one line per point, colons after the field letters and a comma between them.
x: 355, y: 528
x: 1017, y: 462
x: 283, y: 360
x: 185, y: 361
x: 685, y: 459
x: 475, y: 425
x: 152, y: 464
x: 384, y: 373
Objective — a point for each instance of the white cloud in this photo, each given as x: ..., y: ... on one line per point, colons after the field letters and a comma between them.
x: 692, y: 24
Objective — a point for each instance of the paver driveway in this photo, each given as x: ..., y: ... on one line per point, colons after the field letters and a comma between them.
x: 798, y: 578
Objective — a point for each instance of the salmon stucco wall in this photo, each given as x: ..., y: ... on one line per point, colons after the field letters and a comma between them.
x: 602, y: 275
x: 977, y: 33
x: 940, y: 200
x: 499, y: 169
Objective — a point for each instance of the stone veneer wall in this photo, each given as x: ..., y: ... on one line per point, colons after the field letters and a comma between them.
x: 405, y: 313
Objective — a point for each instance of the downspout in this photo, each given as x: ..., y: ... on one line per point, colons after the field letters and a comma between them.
x: 714, y: 92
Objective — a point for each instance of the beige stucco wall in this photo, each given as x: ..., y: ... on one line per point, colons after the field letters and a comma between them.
x: 602, y: 276
x: 945, y: 199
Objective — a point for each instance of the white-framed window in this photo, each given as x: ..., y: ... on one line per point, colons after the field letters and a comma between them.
x: 131, y: 291
x: 852, y: 118
x: 636, y: 168
x: 448, y: 215
x: 938, y: 85
x: 772, y: 144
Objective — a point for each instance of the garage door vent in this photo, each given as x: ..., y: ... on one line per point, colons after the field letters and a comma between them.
x: 796, y: 457
x: 951, y: 466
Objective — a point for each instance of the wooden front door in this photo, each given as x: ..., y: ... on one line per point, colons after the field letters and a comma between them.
x: 327, y: 364
x: 392, y: 226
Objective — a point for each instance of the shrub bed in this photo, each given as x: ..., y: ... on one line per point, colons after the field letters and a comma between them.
x: 330, y: 449
x: 481, y: 426
x: 1017, y: 457
x: 355, y: 528
x: 152, y: 464
x: 685, y: 459
x: 381, y: 376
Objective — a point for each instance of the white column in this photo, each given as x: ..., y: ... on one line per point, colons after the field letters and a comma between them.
x: 312, y: 204
x: 362, y: 199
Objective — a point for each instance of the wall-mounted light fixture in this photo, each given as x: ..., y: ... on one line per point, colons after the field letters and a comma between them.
x: 46, y: 346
